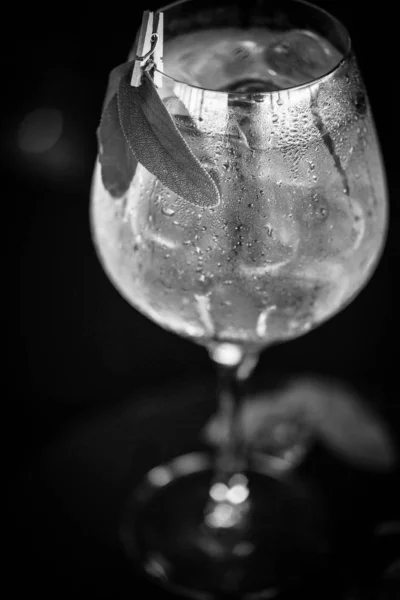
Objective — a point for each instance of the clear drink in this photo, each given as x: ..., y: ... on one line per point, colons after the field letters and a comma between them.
x: 300, y: 225
x: 256, y: 59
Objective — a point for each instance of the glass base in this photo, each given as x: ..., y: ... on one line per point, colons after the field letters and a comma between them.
x: 279, y: 546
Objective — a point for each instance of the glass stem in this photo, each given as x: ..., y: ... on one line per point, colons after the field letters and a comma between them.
x: 234, y: 367
x: 228, y: 503
x: 231, y: 456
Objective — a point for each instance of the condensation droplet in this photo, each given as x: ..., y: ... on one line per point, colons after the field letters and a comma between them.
x: 167, y: 211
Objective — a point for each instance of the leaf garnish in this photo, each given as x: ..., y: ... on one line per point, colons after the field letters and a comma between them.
x: 118, y: 164
x: 113, y: 80
x: 158, y: 145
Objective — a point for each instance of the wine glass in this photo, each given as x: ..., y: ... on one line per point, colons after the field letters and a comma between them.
x: 269, y: 100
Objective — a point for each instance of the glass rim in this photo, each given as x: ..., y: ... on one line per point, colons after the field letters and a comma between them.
x: 346, y: 55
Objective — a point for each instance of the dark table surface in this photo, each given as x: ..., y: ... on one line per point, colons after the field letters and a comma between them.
x: 67, y: 503
x: 83, y: 360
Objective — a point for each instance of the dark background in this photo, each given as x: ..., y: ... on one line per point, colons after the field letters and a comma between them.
x: 76, y: 347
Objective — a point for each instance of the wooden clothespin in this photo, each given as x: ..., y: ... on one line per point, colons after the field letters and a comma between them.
x: 149, y: 48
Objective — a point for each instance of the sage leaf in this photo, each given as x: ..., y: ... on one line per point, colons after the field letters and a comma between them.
x: 113, y: 81
x: 158, y: 145
x: 118, y: 164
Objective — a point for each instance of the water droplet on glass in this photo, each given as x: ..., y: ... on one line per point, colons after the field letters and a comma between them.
x: 167, y: 211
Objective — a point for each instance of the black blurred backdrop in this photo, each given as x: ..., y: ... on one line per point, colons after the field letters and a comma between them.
x: 76, y: 345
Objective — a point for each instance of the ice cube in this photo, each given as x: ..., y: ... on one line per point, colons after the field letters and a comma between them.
x: 241, y: 57
x: 235, y: 308
x: 299, y: 55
